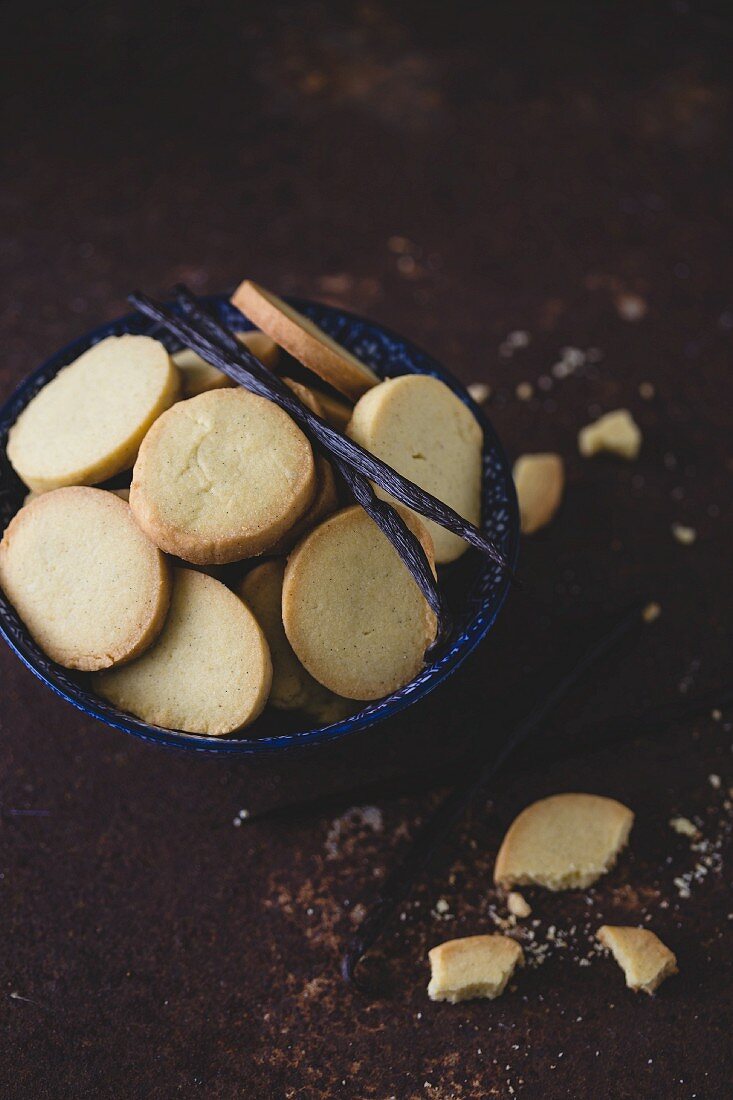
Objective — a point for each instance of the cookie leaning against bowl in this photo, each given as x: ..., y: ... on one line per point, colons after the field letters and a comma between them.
x: 351, y: 609
x: 417, y: 425
x: 304, y: 340
x: 89, y: 585
x: 208, y: 673
x: 221, y: 477
x: 87, y: 423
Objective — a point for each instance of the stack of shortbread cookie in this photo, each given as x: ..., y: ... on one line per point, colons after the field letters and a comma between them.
x: 322, y: 614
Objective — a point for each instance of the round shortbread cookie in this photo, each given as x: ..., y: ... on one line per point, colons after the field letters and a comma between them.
x: 418, y: 426
x: 198, y: 376
x: 87, y: 423
x: 208, y: 673
x: 564, y: 842
x: 325, y: 501
x: 292, y: 687
x: 221, y: 477
x: 89, y: 585
x: 351, y: 609
x: 304, y: 340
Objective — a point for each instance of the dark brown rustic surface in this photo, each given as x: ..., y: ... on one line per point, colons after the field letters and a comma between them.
x: 457, y: 176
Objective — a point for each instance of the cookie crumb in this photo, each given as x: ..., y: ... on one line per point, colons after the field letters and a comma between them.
x: 479, y: 392
x: 647, y: 390
x: 616, y: 433
x: 684, y: 826
x: 683, y: 534
x: 651, y: 612
x: 517, y: 904
x: 525, y: 391
x: 715, y: 782
x: 631, y: 307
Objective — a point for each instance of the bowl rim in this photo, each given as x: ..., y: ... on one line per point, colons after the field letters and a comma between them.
x: 431, y: 677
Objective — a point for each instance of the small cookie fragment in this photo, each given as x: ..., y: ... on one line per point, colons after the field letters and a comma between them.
x: 198, y: 376
x: 651, y: 612
x: 89, y: 585
x: 418, y: 426
x: 208, y: 673
x: 352, y: 611
x: 564, y: 842
x: 642, y: 956
x: 87, y: 423
x: 304, y: 340
x: 222, y: 477
x: 539, y: 481
x: 479, y: 392
x: 617, y: 433
x: 292, y: 687
x: 517, y: 905
x: 684, y: 535
x: 475, y: 966
x: 684, y: 827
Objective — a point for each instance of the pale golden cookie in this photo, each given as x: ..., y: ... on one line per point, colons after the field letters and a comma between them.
x: 617, y: 433
x: 325, y: 501
x: 304, y: 340
x: 417, y: 425
x: 351, y: 609
x: 539, y: 481
x: 564, y: 842
x: 292, y: 687
x: 87, y: 423
x: 475, y: 966
x: 208, y: 673
x: 221, y: 477
x: 198, y: 376
x: 91, y: 588
x: 642, y: 956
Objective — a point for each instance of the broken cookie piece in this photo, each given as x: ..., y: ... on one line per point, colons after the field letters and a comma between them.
x: 564, y: 842
x: 539, y: 481
x: 617, y: 433
x: 517, y: 905
x: 475, y: 966
x: 642, y: 956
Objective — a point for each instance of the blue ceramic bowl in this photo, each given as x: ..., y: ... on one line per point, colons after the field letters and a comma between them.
x: 476, y: 588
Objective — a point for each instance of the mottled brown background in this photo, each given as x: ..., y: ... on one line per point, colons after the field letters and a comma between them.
x: 458, y: 172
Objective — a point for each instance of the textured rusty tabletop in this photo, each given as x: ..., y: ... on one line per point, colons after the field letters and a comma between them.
x: 461, y: 173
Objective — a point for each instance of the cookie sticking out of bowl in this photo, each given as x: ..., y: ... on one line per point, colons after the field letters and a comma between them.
x: 304, y: 340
